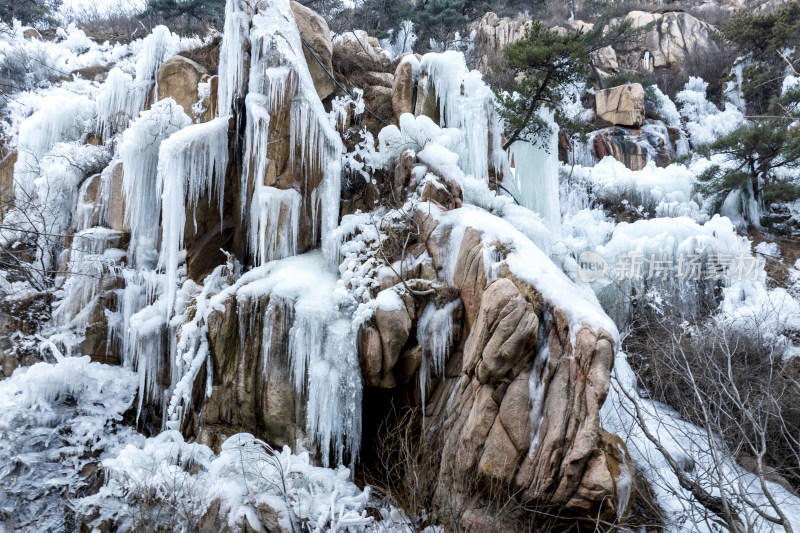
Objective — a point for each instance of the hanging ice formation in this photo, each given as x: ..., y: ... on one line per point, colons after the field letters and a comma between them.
x: 465, y: 103
x: 231, y: 55
x: 535, y: 173
x: 435, y: 334
x: 191, y: 163
x: 293, y: 297
x: 290, y: 293
x: 139, y: 151
x: 279, y: 77
x: 122, y: 97
x: 139, y: 324
x: 119, y: 101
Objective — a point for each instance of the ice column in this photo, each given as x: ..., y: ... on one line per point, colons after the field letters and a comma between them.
x: 191, y: 162
x: 435, y: 334
x: 535, y: 173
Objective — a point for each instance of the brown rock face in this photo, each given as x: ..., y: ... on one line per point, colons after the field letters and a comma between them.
x: 247, y: 392
x: 32, y: 33
x: 492, y: 34
x: 316, y: 34
x: 359, y: 44
x: 674, y: 38
x: 426, y: 103
x: 403, y: 89
x: 7, y: 183
x: 622, y: 105
x: 394, y: 327
x: 115, y: 207
x: 178, y: 78
x: 549, y: 453
x: 633, y: 148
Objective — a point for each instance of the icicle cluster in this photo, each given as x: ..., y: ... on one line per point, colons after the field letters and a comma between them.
x: 119, y: 101
x: 191, y: 163
x: 435, y: 333
x: 465, y: 103
x: 535, y: 174
x: 279, y: 77
x: 139, y: 151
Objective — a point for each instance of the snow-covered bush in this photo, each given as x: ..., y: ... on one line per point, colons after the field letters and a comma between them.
x: 704, y: 121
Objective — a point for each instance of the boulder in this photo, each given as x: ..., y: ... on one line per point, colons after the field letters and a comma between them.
x: 394, y: 326
x: 315, y: 33
x: 491, y: 35
x: 484, y: 418
x: 633, y: 148
x: 384, y: 79
x: 7, y: 183
x: 403, y: 88
x: 179, y: 78
x: 360, y: 45
x: 675, y: 38
x: 622, y: 105
x: 31, y: 33
x: 606, y: 59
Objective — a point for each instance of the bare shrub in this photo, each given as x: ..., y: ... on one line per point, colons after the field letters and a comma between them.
x: 732, y: 383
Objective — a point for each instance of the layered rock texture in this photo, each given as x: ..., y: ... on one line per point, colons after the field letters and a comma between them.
x: 622, y: 105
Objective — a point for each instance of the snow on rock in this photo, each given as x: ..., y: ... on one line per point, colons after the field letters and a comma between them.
x: 321, y: 350
x: 466, y: 103
x: 661, y: 192
x: 526, y: 261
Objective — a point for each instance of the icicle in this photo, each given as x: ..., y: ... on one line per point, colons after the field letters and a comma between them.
x: 274, y: 223
x: 465, y: 103
x: 333, y: 412
x: 277, y: 317
x: 119, y: 100
x: 273, y: 226
x: 191, y: 162
x: 535, y: 174
x: 231, y: 56
x: 157, y: 47
x: 435, y: 333
x: 324, y: 365
x: 139, y: 154
x: 87, y: 264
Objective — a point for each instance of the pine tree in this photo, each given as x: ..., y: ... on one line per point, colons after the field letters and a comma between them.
x: 542, y: 64
x: 29, y: 12
x: 200, y: 11
x: 758, y: 158
x: 761, y: 39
